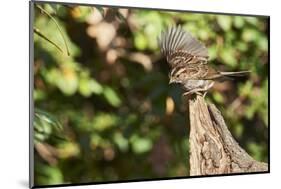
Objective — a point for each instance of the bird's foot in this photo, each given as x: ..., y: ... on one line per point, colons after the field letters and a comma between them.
x: 199, y: 92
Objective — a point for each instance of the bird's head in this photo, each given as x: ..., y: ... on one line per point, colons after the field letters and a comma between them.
x: 175, y: 77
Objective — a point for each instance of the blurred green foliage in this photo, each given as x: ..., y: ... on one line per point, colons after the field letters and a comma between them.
x: 106, y: 111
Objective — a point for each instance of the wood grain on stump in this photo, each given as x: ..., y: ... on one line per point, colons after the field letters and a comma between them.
x: 213, y: 150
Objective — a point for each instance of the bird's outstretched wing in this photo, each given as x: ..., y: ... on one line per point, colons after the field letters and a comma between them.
x: 180, y: 47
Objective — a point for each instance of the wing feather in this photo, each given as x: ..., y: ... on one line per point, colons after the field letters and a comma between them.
x: 180, y: 47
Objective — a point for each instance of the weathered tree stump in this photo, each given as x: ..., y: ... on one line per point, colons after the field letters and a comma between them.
x: 213, y: 150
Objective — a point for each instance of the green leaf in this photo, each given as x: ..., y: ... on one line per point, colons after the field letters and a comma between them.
x: 103, y: 121
x: 263, y: 43
x: 141, y: 145
x: 224, y: 22
x: 51, y: 8
x: 48, y: 174
x: 39, y: 94
x: 121, y: 142
x: 228, y: 57
x: 40, y: 34
x: 246, y: 89
x: 111, y: 96
x: 249, y: 35
x: 140, y: 41
x: 68, y: 85
x: 88, y: 86
x: 255, y: 149
x: 60, y: 31
x: 45, y: 126
x: 47, y: 117
x: 95, y: 86
x: 238, y: 22
x: 218, y: 97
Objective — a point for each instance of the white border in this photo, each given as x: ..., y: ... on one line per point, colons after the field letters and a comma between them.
x: 14, y: 68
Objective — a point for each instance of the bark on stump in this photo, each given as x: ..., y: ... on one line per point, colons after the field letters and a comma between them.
x: 213, y: 150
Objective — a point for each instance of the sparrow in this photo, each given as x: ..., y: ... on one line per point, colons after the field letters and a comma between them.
x: 188, y: 59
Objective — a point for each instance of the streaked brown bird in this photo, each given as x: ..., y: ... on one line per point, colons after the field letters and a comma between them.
x: 188, y: 60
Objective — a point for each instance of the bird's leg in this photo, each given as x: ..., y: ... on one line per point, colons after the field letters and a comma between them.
x: 207, y: 87
x: 187, y: 93
x: 197, y: 91
x: 205, y: 94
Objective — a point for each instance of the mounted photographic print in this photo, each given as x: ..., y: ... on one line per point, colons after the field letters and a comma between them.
x: 123, y: 94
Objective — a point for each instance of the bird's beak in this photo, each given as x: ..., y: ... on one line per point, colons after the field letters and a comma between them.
x: 171, y: 81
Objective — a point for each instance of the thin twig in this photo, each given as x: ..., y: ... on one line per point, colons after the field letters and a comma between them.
x: 48, y: 14
x: 38, y: 32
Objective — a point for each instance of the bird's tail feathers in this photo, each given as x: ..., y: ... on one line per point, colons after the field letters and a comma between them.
x: 235, y: 74
x: 231, y: 75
